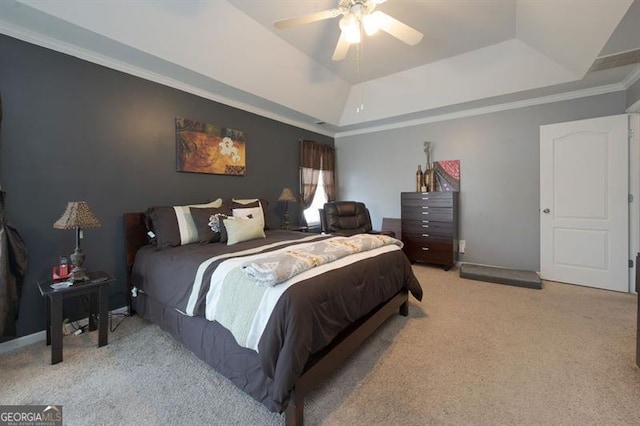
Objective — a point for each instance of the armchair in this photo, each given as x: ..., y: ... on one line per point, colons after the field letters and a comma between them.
x: 347, y: 218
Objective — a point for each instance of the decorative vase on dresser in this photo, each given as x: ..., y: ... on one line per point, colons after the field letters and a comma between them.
x: 430, y: 227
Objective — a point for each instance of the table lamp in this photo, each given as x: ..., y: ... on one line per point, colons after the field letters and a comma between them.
x: 77, y: 215
x: 286, y: 196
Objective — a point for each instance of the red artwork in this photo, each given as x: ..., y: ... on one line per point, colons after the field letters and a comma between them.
x: 447, y: 175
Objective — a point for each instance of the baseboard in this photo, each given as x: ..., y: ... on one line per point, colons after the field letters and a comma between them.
x: 39, y: 336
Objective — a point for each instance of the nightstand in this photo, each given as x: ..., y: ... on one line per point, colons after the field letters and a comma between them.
x: 97, y: 288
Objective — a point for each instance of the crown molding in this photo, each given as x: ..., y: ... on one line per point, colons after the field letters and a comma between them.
x: 41, y: 40
x: 632, y: 78
x: 593, y: 91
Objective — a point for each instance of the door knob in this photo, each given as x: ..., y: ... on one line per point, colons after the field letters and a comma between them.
x: 547, y: 211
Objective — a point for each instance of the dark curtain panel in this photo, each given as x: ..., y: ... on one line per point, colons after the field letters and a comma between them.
x: 13, y: 266
x: 328, y: 155
x: 315, y: 158
x: 310, y: 161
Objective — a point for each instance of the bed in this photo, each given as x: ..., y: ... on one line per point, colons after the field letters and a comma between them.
x: 315, y: 323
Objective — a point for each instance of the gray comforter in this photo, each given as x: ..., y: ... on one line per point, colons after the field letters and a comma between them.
x: 305, y: 319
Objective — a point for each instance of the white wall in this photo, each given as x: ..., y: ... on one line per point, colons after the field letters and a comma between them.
x: 499, y: 157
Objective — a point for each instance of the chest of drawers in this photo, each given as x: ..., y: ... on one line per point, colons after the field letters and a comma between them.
x: 430, y: 227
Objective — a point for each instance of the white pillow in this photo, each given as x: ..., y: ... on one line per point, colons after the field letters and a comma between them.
x: 245, y: 200
x: 254, y: 212
x: 243, y: 229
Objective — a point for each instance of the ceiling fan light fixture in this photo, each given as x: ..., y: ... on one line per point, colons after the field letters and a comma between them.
x: 372, y: 22
x: 358, y: 17
x: 350, y: 27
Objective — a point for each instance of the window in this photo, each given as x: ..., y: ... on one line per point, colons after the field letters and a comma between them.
x: 312, y: 215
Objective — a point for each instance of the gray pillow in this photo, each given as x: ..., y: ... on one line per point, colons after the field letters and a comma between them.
x: 202, y: 219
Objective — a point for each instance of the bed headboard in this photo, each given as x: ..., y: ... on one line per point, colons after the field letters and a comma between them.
x: 135, y: 236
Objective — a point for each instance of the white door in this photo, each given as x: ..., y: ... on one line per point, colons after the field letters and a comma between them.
x: 584, y: 226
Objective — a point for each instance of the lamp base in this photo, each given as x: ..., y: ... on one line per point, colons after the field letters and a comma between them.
x: 77, y: 259
x: 285, y: 220
x: 78, y: 274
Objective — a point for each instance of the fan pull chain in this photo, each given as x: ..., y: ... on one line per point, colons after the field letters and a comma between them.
x: 359, y: 54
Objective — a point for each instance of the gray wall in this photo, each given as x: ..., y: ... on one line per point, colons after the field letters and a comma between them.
x: 499, y: 161
x: 73, y: 130
x: 633, y: 93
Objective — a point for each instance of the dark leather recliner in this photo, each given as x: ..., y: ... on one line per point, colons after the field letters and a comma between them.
x: 346, y: 218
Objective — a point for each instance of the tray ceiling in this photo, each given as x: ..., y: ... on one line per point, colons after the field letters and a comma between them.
x: 473, y: 53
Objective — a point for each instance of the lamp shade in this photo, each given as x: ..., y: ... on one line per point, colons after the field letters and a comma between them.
x: 287, y: 195
x: 77, y: 215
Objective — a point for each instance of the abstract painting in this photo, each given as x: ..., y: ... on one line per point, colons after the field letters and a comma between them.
x: 208, y: 148
x: 447, y: 175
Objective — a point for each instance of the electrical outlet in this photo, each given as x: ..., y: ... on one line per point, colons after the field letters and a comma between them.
x: 462, y: 245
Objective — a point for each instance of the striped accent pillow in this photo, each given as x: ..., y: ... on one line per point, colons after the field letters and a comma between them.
x: 174, y: 226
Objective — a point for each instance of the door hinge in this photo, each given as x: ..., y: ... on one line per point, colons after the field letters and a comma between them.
x: 631, y: 133
x: 631, y: 198
x: 630, y: 263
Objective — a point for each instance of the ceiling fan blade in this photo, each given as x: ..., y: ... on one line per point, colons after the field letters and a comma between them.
x: 307, y: 19
x: 398, y: 29
x: 342, y: 48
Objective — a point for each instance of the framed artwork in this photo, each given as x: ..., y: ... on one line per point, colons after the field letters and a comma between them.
x: 447, y: 175
x: 208, y: 148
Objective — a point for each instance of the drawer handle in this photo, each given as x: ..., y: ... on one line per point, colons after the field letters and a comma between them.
x: 425, y: 207
x: 425, y: 248
x: 425, y: 198
x: 425, y: 212
x: 425, y: 226
x: 425, y: 235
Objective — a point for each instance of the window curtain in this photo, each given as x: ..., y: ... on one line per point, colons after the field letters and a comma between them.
x: 315, y: 158
x: 327, y: 166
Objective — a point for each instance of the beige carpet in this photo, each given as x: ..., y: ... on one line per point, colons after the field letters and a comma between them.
x: 472, y: 353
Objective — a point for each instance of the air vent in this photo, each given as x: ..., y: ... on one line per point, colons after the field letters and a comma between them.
x: 617, y: 60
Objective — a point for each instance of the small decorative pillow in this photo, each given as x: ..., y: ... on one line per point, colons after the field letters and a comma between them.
x: 217, y: 225
x: 202, y: 219
x: 243, y: 229
x: 255, y: 212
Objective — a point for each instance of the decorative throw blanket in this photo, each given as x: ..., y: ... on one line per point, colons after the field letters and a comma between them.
x: 275, y: 268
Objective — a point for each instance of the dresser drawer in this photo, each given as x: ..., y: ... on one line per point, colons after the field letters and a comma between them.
x: 428, y: 227
x: 438, y: 214
x: 432, y: 250
x: 431, y: 244
x: 431, y: 199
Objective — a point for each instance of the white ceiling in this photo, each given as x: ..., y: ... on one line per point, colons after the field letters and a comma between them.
x: 450, y: 28
x: 474, y: 54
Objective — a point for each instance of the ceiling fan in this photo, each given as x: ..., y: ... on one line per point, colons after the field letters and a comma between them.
x: 357, y: 15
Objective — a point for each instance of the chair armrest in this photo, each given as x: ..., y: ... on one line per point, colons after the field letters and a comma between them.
x: 387, y: 233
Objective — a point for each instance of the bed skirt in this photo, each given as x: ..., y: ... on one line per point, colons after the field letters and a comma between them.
x: 216, y: 346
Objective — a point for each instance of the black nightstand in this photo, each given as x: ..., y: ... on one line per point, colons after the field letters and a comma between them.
x: 96, y: 287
